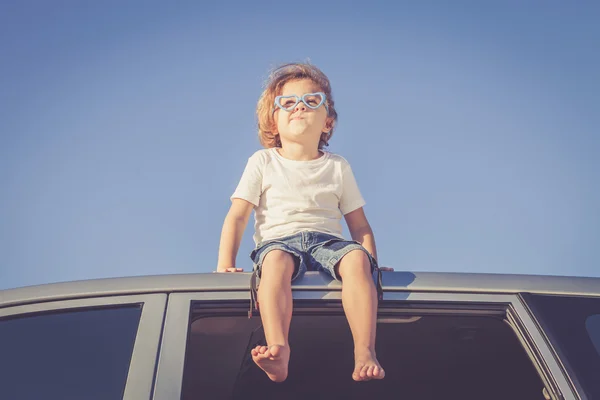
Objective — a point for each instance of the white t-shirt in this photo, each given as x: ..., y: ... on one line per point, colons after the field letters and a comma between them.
x: 292, y: 196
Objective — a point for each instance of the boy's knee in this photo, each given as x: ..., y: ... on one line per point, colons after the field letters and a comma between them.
x: 356, y: 262
x: 278, y: 261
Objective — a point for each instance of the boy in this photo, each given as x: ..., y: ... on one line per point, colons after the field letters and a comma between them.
x: 299, y: 193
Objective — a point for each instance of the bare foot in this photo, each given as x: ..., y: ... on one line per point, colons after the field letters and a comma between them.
x: 366, y: 367
x: 273, y: 360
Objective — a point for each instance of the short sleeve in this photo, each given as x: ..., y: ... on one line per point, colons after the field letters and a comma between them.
x: 250, y: 186
x: 351, y: 198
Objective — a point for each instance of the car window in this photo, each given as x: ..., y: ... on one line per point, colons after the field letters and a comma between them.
x: 432, y: 356
x: 573, y: 326
x: 81, y: 354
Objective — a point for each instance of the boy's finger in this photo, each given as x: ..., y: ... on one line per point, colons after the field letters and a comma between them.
x: 231, y: 270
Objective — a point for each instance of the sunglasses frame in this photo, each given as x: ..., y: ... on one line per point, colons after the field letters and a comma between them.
x: 301, y: 99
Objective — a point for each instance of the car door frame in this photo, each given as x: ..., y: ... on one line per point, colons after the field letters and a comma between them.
x: 553, y: 342
x: 171, y: 361
x: 140, y: 376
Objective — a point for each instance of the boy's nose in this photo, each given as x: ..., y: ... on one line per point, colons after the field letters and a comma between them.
x: 300, y: 106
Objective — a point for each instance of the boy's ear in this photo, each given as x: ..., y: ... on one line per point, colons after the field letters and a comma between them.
x: 329, y: 123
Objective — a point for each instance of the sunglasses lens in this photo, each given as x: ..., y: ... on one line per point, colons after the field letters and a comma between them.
x: 313, y: 100
x: 287, y: 103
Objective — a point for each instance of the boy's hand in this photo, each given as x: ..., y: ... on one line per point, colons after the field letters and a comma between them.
x: 386, y: 268
x: 232, y: 269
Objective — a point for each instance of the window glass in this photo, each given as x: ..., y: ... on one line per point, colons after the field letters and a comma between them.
x: 592, y: 324
x: 573, y: 326
x: 77, y: 355
x: 466, y: 357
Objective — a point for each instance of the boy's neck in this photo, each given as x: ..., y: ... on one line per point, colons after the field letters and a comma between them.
x: 299, y: 152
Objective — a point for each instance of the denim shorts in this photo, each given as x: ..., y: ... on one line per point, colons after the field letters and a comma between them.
x: 312, y: 251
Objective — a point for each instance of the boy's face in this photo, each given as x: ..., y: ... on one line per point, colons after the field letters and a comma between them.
x: 302, y: 124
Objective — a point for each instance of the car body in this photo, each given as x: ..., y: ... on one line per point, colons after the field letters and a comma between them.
x: 457, y: 335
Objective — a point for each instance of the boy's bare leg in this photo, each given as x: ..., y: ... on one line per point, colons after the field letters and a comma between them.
x: 359, y: 298
x: 275, y: 302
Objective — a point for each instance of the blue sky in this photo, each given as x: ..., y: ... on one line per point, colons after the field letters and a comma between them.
x: 472, y: 129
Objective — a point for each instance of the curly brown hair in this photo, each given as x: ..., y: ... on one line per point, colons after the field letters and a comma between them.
x: 267, y: 127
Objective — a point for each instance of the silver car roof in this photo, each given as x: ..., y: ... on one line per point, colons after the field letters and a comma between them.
x: 392, y: 281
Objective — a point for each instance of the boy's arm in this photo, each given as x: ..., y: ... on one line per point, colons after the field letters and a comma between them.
x: 361, y: 231
x: 231, y: 234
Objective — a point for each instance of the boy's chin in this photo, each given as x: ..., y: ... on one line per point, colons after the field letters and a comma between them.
x: 302, y: 137
x: 299, y: 131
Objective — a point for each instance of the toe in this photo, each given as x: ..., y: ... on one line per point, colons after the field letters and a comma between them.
x: 363, y: 372
x: 378, y: 373
x: 275, y: 350
x: 356, y: 373
x: 370, y: 371
x: 260, y: 352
